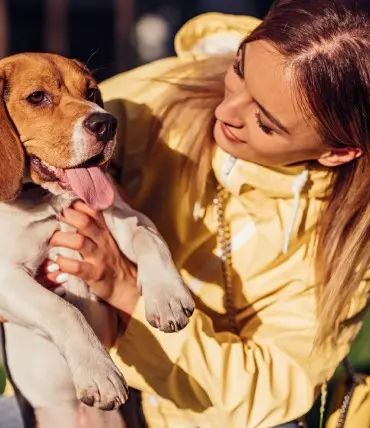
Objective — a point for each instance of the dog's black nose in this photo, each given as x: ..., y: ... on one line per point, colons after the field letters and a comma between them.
x: 102, y: 125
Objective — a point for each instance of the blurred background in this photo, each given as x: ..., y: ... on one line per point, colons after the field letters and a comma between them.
x: 116, y: 35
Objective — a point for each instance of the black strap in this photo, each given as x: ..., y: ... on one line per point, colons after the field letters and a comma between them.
x: 353, y: 379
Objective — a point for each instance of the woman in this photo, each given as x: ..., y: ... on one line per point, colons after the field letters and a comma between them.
x: 257, y: 180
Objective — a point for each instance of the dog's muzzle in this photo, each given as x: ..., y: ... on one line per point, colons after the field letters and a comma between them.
x: 102, y: 125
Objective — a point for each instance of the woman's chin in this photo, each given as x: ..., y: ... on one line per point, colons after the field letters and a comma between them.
x: 233, y: 148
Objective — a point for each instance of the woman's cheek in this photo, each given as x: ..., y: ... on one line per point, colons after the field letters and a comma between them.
x: 257, y: 148
x: 269, y: 150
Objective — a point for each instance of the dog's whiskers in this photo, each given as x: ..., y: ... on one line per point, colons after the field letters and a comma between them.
x: 89, y: 59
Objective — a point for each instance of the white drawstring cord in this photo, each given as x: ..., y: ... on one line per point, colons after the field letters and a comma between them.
x: 298, y: 185
x: 197, y: 211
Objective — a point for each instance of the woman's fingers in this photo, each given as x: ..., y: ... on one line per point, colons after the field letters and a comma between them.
x: 82, y: 269
x: 85, y: 224
x: 46, y: 276
x: 90, y: 226
x: 104, y: 268
x: 73, y: 241
x: 83, y: 208
x: 53, y: 274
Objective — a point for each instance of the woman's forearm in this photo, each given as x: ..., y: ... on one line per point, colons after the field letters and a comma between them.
x: 125, y: 295
x: 125, y: 306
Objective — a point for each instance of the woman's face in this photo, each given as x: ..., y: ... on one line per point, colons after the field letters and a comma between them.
x: 259, y: 119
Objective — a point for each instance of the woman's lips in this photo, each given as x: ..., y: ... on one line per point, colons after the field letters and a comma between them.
x: 228, y: 134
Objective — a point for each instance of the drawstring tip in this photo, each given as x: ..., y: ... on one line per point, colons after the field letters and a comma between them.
x: 298, y: 185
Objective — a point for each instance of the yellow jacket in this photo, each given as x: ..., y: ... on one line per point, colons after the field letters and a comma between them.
x: 206, y: 376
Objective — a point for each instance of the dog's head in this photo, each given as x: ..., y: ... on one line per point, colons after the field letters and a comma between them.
x: 53, y: 126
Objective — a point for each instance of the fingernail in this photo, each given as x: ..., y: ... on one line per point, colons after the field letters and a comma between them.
x: 53, y: 257
x: 60, y: 291
x: 62, y: 278
x: 53, y: 268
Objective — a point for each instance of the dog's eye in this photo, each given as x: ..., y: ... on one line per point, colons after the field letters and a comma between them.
x: 36, y: 97
x: 91, y: 94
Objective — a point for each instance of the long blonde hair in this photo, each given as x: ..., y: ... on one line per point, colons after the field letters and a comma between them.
x: 190, y: 103
x: 328, y: 45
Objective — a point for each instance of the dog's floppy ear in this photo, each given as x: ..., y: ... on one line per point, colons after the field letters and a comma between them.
x: 12, y: 157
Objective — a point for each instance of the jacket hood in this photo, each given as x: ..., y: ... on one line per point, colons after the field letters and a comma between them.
x: 213, y: 33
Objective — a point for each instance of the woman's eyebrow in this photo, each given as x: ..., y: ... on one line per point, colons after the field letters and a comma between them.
x: 273, y: 119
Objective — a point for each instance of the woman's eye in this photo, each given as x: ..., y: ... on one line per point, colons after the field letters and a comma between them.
x: 238, y: 64
x: 237, y: 68
x: 36, y: 97
x: 266, y: 129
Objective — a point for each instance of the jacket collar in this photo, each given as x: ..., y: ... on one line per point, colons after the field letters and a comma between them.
x: 239, y: 177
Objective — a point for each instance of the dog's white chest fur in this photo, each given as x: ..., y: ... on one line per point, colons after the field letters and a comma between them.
x: 27, y: 228
x: 25, y: 231
x: 66, y: 344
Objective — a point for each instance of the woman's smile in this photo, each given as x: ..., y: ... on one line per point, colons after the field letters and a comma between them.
x: 229, y: 134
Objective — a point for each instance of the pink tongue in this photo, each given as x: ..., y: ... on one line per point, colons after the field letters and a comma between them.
x: 92, y: 186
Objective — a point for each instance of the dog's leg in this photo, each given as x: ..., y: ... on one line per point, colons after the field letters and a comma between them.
x: 97, y: 380
x: 168, y: 301
x: 65, y: 415
x: 90, y: 417
x: 42, y: 374
x: 98, y: 315
x: 75, y: 415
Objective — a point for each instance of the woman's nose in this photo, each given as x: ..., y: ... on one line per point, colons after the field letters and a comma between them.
x: 230, y: 110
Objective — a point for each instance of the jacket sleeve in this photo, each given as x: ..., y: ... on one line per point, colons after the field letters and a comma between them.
x: 262, y: 377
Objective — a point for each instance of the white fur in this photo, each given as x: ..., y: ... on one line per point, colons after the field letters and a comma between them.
x: 53, y: 354
x: 82, y: 142
x: 78, y: 142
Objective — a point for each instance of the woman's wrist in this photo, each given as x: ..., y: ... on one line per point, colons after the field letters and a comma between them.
x: 126, y: 301
x: 125, y: 309
x: 125, y: 295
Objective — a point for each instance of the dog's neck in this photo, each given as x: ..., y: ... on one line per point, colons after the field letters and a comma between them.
x: 34, y: 194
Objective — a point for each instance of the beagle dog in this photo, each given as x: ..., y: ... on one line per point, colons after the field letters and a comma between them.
x: 56, y: 141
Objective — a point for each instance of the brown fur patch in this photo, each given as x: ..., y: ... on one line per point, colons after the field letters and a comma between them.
x: 45, y: 130
x: 12, y: 158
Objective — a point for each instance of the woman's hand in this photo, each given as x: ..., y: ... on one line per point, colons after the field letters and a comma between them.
x: 109, y: 274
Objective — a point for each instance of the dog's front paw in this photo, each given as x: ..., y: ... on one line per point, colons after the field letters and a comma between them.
x: 101, y: 385
x: 169, y: 306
